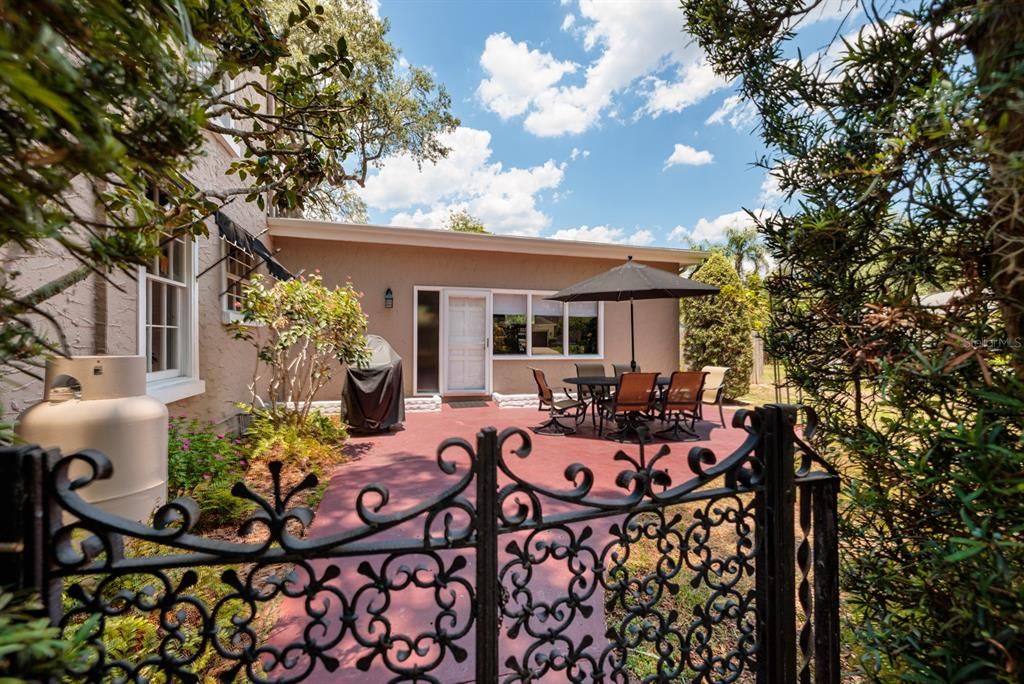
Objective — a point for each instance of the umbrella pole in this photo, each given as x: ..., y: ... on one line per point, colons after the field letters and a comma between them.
x: 632, y: 338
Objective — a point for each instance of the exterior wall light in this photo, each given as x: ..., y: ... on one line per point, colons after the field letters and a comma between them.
x: 389, y: 299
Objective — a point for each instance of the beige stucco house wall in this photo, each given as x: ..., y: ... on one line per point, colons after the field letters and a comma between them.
x: 101, y: 317
x: 375, y: 259
x: 105, y: 317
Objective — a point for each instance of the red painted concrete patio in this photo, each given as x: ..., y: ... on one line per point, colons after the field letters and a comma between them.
x: 405, y: 461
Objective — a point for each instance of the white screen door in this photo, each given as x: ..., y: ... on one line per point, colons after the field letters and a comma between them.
x: 468, y: 339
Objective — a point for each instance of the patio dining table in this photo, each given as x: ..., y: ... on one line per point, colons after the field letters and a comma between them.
x: 604, y: 383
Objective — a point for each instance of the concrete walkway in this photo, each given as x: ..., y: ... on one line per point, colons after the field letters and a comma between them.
x: 404, y: 461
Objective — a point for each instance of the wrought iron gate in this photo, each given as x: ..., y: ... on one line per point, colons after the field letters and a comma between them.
x: 518, y: 573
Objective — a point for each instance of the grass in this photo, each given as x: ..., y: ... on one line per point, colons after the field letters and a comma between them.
x: 762, y: 394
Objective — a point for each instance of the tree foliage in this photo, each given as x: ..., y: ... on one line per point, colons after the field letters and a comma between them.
x: 395, y: 108
x: 718, y: 328
x: 463, y: 222
x: 900, y: 149
x: 100, y: 102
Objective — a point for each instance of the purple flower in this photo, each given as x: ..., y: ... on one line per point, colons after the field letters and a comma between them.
x: 218, y: 457
x: 220, y: 436
x: 243, y: 463
x: 184, y: 447
x: 207, y: 476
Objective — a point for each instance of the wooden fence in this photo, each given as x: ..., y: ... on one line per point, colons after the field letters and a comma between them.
x: 757, y: 347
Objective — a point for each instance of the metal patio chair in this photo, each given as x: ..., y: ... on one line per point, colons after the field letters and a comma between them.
x: 681, y: 403
x: 714, y: 390
x: 619, y: 368
x: 630, y: 404
x: 557, y: 408
x: 592, y: 395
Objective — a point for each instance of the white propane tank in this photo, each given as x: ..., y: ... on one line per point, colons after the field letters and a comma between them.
x: 100, y: 402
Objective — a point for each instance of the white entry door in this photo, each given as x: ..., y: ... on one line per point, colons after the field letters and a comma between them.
x: 467, y: 339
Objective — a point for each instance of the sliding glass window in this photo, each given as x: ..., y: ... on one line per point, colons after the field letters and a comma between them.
x: 583, y: 330
x: 547, y: 333
x: 510, y: 327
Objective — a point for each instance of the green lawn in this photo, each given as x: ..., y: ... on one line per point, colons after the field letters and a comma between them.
x: 762, y: 394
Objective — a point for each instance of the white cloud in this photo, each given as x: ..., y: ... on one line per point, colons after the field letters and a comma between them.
x: 641, y: 238
x: 569, y: 20
x: 771, y: 195
x: 695, y: 82
x: 517, y: 75
x: 689, y: 156
x: 505, y: 200
x: 604, y: 234
x: 577, y: 153
x: 741, y: 114
x: 712, y: 230
x: 632, y: 48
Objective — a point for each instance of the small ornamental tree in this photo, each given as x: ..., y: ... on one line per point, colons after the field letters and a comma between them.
x: 303, y: 331
x: 718, y: 328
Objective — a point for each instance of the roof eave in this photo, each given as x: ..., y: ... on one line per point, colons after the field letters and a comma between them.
x: 444, y: 239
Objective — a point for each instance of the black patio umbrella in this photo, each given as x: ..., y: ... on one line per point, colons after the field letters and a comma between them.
x: 633, y: 281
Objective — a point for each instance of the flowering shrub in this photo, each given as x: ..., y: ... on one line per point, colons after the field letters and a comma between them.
x: 303, y: 332
x: 198, y: 453
x: 204, y: 463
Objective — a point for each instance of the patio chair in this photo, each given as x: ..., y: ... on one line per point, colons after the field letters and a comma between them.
x: 630, y: 403
x: 557, y: 408
x: 714, y: 389
x: 592, y: 395
x: 681, y: 403
x: 619, y: 368
x: 591, y: 370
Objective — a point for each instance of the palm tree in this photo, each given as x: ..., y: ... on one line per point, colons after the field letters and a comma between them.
x: 744, y: 246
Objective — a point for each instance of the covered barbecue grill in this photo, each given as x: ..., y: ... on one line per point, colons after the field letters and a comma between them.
x: 373, y: 394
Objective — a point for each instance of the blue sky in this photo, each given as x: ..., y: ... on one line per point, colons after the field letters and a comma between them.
x: 581, y: 119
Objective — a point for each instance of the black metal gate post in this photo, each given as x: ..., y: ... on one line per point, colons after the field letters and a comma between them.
x: 488, y: 589
x: 825, y: 504
x: 776, y: 574
x: 25, y: 524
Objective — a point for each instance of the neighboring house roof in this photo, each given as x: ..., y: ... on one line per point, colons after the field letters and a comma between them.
x: 943, y: 299
x: 447, y: 239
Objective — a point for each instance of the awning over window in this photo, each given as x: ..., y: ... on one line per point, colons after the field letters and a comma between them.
x: 243, y: 240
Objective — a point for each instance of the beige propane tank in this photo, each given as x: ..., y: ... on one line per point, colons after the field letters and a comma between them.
x: 100, y: 402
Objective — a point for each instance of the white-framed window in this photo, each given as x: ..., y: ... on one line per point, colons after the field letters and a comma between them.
x: 168, y: 324
x: 239, y: 266
x: 225, y: 120
x: 527, y: 325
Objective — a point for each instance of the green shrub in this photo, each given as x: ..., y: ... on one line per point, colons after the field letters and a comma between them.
x: 204, y: 463
x: 718, y: 328
x: 197, y: 452
x: 30, y: 647
x: 308, y: 446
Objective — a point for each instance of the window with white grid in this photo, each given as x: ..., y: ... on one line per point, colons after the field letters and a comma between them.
x: 239, y: 265
x: 168, y: 284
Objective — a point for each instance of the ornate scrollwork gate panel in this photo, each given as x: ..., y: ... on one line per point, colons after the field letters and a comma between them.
x: 722, y: 569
